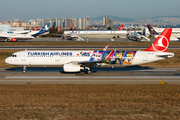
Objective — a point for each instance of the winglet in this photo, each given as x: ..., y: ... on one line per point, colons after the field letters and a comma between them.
x: 121, y: 27
x: 105, y: 48
x: 162, y: 42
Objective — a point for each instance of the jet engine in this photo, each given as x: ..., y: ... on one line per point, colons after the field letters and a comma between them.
x: 13, y: 40
x: 72, y: 67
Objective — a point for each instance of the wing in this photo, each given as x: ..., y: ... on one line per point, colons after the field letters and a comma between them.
x: 79, y: 37
x: 145, y: 37
x: 57, y: 34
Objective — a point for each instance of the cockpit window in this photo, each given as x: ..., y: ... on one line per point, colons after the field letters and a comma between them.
x: 13, y: 55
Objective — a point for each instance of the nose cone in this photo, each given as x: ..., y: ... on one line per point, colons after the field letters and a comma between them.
x: 7, y: 60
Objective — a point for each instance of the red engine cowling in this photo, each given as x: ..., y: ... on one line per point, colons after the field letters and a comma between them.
x: 13, y: 40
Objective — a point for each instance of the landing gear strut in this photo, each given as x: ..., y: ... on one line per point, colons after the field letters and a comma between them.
x: 24, y: 70
x: 89, y: 71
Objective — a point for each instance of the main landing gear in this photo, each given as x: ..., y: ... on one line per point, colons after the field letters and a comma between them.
x: 24, y: 70
x: 89, y: 71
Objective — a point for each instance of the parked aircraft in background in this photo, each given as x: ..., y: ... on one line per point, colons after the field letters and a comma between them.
x: 173, y: 37
x: 31, y: 32
x: 70, y: 36
x: 136, y: 36
x: 76, y: 61
x: 14, y: 36
x: 73, y: 36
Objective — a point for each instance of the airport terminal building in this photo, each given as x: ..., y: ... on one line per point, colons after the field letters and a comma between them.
x: 6, y: 27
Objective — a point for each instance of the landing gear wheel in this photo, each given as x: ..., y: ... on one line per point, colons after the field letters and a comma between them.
x: 89, y: 72
x: 24, y: 71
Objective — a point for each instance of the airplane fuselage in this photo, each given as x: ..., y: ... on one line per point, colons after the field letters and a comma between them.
x: 57, y: 58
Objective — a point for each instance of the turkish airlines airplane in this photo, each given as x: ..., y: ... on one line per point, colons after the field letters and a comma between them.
x: 76, y: 61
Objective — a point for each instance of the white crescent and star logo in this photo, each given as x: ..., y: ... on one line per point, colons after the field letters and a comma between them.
x: 161, y: 45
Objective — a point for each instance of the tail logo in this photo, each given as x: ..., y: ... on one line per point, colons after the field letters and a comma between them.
x: 46, y: 28
x: 161, y: 45
x: 152, y: 31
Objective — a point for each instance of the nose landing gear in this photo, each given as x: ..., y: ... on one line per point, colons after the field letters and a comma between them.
x: 24, y: 70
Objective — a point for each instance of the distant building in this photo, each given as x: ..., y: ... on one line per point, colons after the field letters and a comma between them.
x: 74, y: 21
x: 84, y: 23
x: 105, y: 21
x: 79, y: 23
x: 7, y: 27
x: 60, y: 23
x: 110, y: 22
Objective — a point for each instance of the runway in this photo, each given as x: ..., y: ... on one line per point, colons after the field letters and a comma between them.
x: 103, y: 75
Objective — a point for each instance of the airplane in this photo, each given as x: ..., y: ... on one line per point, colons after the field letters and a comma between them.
x: 14, y: 36
x: 69, y: 36
x: 31, y: 32
x: 77, y: 61
x: 135, y: 35
x: 153, y: 32
x: 44, y: 30
x: 73, y: 36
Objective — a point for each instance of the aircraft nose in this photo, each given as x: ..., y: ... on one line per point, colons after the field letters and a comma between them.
x: 7, y: 60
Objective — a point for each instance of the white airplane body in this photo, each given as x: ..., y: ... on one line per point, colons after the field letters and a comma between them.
x: 22, y: 35
x: 75, y: 61
x: 137, y: 36
x: 13, y: 37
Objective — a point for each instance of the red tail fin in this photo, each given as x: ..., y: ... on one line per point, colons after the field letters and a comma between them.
x: 162, y: 42
x: 121, y: 27
x: 73, y: 27
x: 35, y: 29
x: 59, y: 29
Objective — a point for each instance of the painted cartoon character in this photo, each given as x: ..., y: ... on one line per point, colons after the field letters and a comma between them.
x: 96, y: 56
x: 129, y: 58
x: 119, y: 56
x: 85, y: 53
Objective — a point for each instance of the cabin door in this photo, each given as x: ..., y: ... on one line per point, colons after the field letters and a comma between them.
x: 23, y: 56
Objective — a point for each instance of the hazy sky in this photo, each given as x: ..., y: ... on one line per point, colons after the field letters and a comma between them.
x: 32, y: 9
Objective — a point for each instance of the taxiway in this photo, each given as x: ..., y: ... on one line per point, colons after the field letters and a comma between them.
x: 103, y: 75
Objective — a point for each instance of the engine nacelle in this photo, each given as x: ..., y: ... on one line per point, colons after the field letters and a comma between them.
x: 13, y: 40
x: 72, y: 67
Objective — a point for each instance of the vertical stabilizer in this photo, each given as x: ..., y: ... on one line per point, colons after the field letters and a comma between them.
x: 151, y: 30
x: 121, y: 27
x: 162, y: 42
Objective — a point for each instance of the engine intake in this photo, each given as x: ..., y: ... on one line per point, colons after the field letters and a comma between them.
x: 72, y: 67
